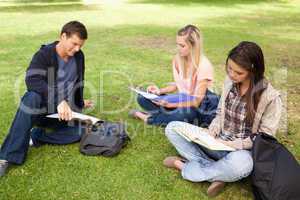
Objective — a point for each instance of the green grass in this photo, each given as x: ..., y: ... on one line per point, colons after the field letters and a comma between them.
x: 133, y: 43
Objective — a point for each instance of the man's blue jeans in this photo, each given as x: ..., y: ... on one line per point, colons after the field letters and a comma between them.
x: 15, y: 146
x: 208, y: 165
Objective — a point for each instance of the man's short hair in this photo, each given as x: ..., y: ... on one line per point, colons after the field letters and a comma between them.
x: 75, y: 27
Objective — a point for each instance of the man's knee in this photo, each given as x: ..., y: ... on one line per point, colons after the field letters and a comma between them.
x: 31, y: 96
x: 31, y: 103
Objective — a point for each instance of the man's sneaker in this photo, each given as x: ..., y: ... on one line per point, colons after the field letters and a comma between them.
x: 3, y: 167
x: 35, y: 144
x: 31, y: 142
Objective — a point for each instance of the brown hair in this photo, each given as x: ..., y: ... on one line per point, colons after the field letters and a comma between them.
x: 249, y: 56
x: 75, y: 27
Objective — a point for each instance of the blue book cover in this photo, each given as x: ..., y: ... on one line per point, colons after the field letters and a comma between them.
x: 175, y: 98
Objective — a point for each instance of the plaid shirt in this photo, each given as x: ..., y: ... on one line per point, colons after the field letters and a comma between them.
x: 235, y: 125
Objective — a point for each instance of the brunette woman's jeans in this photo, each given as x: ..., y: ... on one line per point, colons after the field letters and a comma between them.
x: 208, y: 165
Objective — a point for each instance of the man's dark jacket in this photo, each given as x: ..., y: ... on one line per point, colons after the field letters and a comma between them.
x: 42, y: 73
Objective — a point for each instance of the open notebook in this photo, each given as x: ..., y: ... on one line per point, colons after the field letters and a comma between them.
x: 76, y: 115
x: 201, y: 136
x: 171, y: 98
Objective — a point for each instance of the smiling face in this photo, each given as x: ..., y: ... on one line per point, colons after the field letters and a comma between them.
x: 182, y: 46
x: 71, y: 44
x: 236, y: 73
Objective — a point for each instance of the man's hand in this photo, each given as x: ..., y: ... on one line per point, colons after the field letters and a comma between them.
x: 153, y: 89
x: 88, y: 103
x: 64, y: 111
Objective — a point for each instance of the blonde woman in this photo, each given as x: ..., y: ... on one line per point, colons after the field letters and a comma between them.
x: 193, y: 75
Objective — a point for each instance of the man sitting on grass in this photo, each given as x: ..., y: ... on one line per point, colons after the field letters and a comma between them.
x: 54, y: 83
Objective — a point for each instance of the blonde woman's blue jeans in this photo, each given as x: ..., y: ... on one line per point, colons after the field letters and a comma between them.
x: 208, y: 165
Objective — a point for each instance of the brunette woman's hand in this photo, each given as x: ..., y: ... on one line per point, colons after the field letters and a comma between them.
x: 233, y: 144
x: 213, y: 131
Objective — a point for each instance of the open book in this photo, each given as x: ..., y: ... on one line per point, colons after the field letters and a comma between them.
x: 76, y: 115
x: 202, y: 137
x: 171, y: 98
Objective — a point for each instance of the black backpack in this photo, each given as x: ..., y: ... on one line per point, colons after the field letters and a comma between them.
x: 104, y: 138
x: 276, y: 173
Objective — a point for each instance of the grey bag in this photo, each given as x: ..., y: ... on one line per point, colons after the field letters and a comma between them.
x: 104, y: 138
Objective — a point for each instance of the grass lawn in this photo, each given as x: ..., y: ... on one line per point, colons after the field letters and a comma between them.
x: 132, y: 43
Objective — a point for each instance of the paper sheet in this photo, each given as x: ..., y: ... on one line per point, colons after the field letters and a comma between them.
x: 77, y: 116
x: 145, y: 94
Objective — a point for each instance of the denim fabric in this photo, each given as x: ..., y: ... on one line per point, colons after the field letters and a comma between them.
x: 16, y: 143
x: 208, y: 165
x: 201, y: 116
x: 162, y: 116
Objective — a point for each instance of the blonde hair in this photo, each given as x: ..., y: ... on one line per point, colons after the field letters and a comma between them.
x: 194, y: 40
